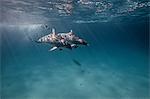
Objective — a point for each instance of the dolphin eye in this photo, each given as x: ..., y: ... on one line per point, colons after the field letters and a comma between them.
x: 40, y: 40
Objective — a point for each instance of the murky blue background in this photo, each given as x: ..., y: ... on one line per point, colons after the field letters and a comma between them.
x: 114, y: 66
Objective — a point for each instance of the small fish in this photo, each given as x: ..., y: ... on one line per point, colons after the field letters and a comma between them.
x: 46, y: 27
x: 76, y: 62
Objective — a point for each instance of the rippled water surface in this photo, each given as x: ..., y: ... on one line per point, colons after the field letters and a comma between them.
x: 78, y: 11
x: 115, y: 65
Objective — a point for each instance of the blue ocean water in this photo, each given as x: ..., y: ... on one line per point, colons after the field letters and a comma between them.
x: 115, y: 65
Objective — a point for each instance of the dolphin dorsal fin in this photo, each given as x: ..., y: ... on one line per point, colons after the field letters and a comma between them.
x: 53, y: 30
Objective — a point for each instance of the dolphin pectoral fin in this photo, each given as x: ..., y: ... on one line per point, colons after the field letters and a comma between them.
x: 53, y: 48
x: 74, y: 46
